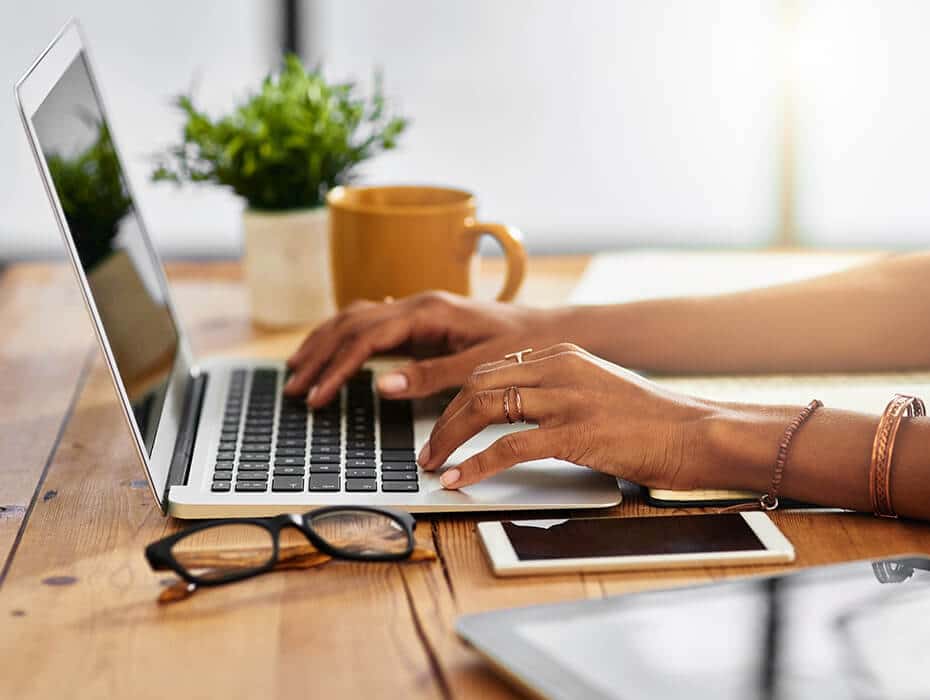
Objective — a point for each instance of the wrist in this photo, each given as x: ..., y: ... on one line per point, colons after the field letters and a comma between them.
x: 741, y: 443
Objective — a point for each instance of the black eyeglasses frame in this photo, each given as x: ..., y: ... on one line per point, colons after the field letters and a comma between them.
x: 160, y: 557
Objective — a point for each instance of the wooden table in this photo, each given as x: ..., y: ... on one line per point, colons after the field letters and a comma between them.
x: 77, y: 601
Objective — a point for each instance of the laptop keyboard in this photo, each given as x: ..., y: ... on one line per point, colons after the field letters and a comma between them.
x: 273, y: 442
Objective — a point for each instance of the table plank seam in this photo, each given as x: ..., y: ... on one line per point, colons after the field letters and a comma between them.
x: 441, y: 555
x: 82, y: 378
x: 432, y: 657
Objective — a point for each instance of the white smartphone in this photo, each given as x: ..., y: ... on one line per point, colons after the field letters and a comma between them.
x: 523, y: 547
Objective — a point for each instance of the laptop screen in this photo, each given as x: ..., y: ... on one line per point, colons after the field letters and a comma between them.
x: 103, y: 222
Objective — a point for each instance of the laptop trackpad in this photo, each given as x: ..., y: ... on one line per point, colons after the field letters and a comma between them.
x: 547, y: 475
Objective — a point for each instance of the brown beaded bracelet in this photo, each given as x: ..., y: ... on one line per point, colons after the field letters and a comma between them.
x: 900, y: 406
x: 769, y: 500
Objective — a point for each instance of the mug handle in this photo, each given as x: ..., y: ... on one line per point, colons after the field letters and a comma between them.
x: 511, y: 240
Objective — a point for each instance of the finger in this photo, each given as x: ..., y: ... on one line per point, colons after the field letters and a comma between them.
x: 298, y: 357
x: 511, y: 449
x: 326, y: 342
x: 537, y: 354
x: 531, y: 373
x: 488, y: 408
x: 426, y: 377
x: 353, y: 354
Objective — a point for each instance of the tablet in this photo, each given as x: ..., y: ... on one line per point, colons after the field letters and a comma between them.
x: 846, y: 631
x: 522, y: 547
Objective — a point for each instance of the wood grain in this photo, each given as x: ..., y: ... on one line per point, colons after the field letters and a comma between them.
x: 79, y: 603
x: 43, y: 358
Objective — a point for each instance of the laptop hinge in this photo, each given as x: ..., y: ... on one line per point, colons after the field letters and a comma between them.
x: 187, y: 433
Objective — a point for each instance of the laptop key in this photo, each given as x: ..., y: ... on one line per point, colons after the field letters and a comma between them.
x: 325, y: 468
x: 324, y: 482
x: 254, y: 456
x: 254, y: 486
x: 289, y: 461
x: 288, y: 471
x: 326, y: 449
x: 360, y: 454
x: 399, y: 476
x: 398, y: 466
x: 400, y: 486
x: 221, y: 486
x: 252, y: 476
x: 287, y: 483
x: 253, y: 467
x: 397, y: 456
x: 290, y: 442
x: 327, y: 440
x: 360, y: 474
x: 289, y: 452
x: 361, y: 463
x: 361, y: 485
x: 225, y: 456
x: 323, y: 459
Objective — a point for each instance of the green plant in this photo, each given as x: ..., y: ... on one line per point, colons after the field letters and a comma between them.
x: 93, y: 197
x: 287, y: 144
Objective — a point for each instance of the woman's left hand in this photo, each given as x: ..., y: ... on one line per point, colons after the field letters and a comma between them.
x: 589, y: 412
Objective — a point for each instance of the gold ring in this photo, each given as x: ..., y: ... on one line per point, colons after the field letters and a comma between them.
x: 518, y: 355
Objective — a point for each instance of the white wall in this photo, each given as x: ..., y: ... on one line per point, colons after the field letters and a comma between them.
x: 588, y: 123
x: 145, y: 52
x: 865, y: 117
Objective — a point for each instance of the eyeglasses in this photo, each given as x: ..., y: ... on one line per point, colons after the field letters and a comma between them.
x: 218, y: 552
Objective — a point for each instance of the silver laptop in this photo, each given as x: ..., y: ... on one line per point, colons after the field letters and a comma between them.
x: 216, y: 436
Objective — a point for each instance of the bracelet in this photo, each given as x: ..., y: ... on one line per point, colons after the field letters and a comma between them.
x: 900, y: 406
x: 769, y: 501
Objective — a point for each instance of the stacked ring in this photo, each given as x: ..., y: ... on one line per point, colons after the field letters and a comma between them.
x: 518, y: 403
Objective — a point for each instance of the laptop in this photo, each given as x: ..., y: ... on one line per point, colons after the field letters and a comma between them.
x: 216, y: 436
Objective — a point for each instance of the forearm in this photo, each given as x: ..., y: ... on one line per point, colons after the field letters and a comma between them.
x: 869, y: 318
x: 828, y: 460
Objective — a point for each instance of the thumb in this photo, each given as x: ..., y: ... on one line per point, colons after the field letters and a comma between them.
x: 426, y: 377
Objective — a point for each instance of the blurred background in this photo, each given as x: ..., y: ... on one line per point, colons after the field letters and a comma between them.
x: 591, y: 125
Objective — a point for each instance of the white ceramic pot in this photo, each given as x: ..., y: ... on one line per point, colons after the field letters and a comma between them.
x: 287, y: 266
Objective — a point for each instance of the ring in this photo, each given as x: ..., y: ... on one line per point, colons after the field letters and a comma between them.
x: 518, y: 355
x: 518, y: 402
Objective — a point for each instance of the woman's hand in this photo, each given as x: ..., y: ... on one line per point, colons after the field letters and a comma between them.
x: 589, y: 412
x: 456, y: 332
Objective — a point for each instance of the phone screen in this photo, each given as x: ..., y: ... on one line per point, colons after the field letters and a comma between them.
x: 585, y: 538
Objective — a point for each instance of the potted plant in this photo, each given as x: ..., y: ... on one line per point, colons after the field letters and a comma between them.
x: 281, y: 150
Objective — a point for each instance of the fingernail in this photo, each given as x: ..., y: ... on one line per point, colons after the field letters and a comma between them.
x: 291, y: 384
x: 311, y: 393
x: 392, y: 383
x: 424, y: 455
x: 450, y: 478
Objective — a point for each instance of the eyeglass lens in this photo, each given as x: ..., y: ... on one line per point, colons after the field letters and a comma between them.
x: 360, y: 532
x: 224, y: 550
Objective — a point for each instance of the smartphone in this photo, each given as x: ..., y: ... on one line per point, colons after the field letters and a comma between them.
x: 523, y: 547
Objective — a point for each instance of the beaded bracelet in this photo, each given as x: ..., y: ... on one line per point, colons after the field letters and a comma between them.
x: 769, y: 500
x: 900, y: 406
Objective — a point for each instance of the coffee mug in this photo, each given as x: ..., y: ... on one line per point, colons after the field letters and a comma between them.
x: 400, y: 240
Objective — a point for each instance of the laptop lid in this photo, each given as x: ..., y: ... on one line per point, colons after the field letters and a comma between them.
x: 121, y: 277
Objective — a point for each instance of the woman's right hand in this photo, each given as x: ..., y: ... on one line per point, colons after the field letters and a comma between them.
x: 455, y: 334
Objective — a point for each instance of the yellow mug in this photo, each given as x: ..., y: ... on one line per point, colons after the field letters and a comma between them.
x: 400, y: 240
